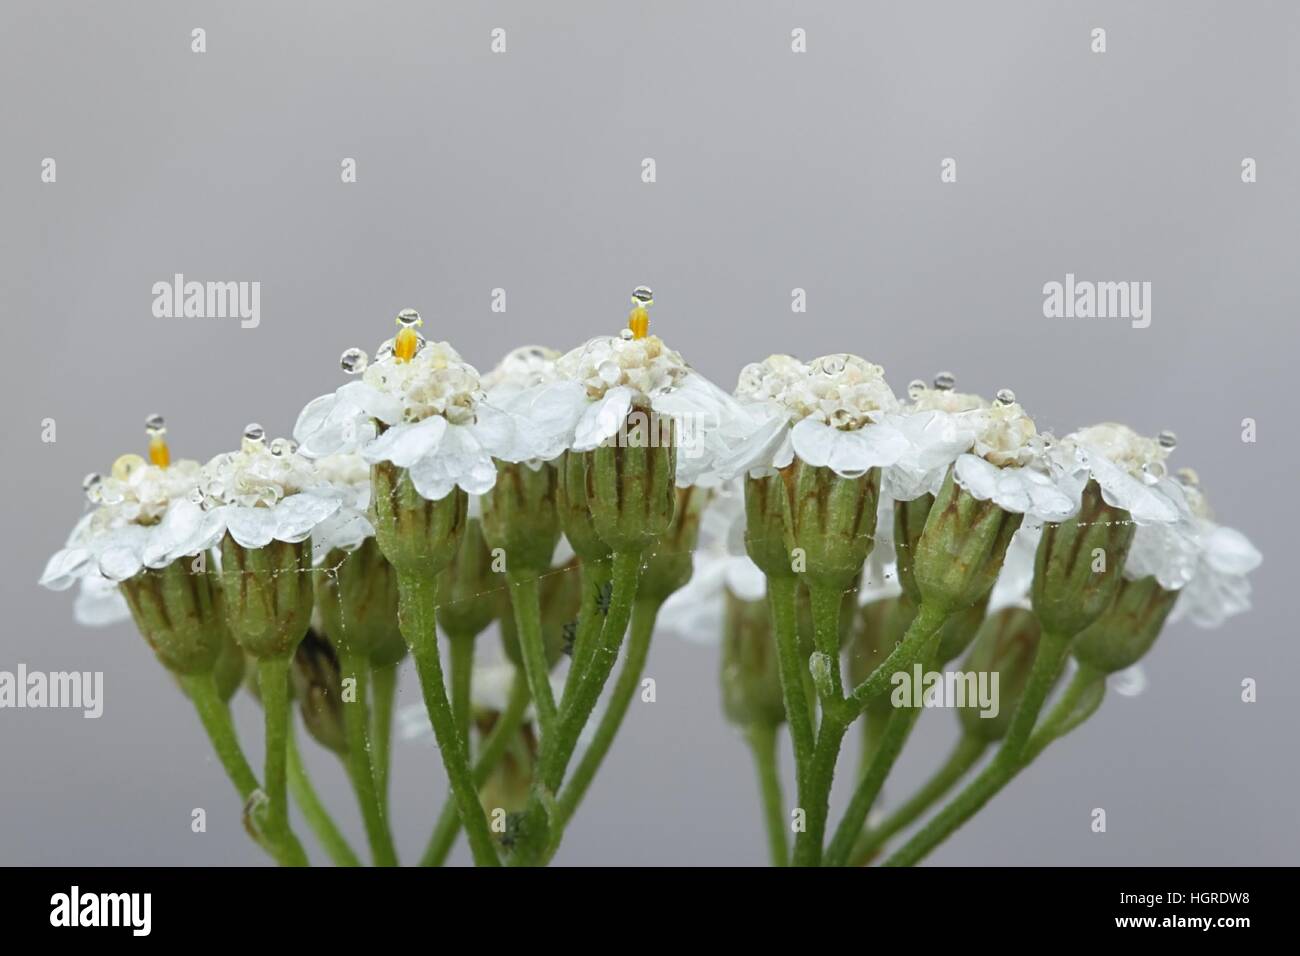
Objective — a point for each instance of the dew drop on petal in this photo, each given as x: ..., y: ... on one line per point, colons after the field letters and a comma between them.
x: 385, y: 350
x: 945, y: 381
x: 1168, y: 440
x: 642, y: 295
x: 915, y: 388
x: 627, y: 335
x: 409, y: 318
x: 155, y: 426
x: 254, y: 433
x: 354, y: 361
x: 91, y: 486
x: 1006, y: 397
x: 280, y: 447
x: 1153, y: 471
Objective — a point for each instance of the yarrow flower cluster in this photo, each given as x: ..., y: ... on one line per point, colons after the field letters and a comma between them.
x: 829, y: 535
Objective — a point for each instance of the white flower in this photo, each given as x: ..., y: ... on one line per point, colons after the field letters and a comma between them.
x: 831, y: 412
x: 939, y: 425
x: 620, y: 373
x: 145, y: 518
x: 263, y: 493
x: 346, y: 479
x: 433, y: 419
x: 1017, y: 574
x: 720, y: 566
x: 1009, y: 464
x: 528, y: 386
x: 1129, y: 468
x: 99, y: 602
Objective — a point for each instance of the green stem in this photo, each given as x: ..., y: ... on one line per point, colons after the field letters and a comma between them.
x: 417, y: 594
x: 816, y: 794
x: 897, y: 729
x: 1078, y: 702
x: 318, y: 818
x: 638, y: 647
x: 762, y: 742
x: 494, y: 747
x: 384, y: 681
x: 273, y: 680
x: 595, y: 575
x: 462, y: 675
x: 924, y: 627
x: 356, y: 726
x: 781, y: 598
x: 1048, y: 661
x: 526, y: 599
x: 964, y: 756
x: 215, y: 717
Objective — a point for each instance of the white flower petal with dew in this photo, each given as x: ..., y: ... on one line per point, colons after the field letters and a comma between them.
x: 1017, y: 575
x: 602, y: 419
x: 934, y: 440
x: 65, y: 567
x: 251, y: 527
x: 99, y: 603
x: 1019, y: 490
x: 850, y: 454
x: 298, y: 515
x: 405, y: 444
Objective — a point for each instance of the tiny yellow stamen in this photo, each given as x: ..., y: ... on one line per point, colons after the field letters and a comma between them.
x: 126, y: 465
x: 159, y: 453
x: 638, y: 320
x: 405, y: 344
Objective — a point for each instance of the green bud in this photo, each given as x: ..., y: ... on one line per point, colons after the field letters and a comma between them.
x: 830, y: 522
x: 468, y: 588
x: 574, y: 512
x: 318, y: 687
x: 1077, y: 569
x: 765, y: 526
x: 631, y: 483
x: 909, y: 522
x: 356, y: 597
x: 178, y: 612
x: 751, y: 681
x: 669, y: 567
x: 1005, y: 645
x: 268, y: 595
x: 520, y: 517
x: 416, y: 535
x: 1121, y: 636
x: 959, y: 554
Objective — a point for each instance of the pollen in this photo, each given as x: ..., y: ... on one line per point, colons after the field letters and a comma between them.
x: 406, y: 343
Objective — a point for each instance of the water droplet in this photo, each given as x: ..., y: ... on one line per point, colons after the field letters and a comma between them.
x: 196, y: 496
x: 354, y: 361
x: 154, y: 425
x: 91, y: 486
x: 1189, y: 477
x: 254, y: 433
x: 627, y: 335
x: 945, y: 381
x: 1006, y: 397
x: 1168, y: 440
x: 385, y: 350
x: 409, y: 318
x: 1153, y: 471
x: 832, y: 364
x: 280, y: 447
x: 642, y: 295
x: 915, y: 388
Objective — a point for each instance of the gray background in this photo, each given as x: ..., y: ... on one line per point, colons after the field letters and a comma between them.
x: 775, y: 170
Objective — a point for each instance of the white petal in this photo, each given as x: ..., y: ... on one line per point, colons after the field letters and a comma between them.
x: 64, y: 567
x: 404, y: 445
x: 250, y: 527
x: 99, y: 603
x: 297, y: 515
x: 602, y: 420
x: 1228, y: 551
x: 459, y: 460
x: 120, y: 563
x: 371, y: 401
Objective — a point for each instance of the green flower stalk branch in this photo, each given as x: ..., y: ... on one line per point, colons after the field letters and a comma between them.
x: 842, y: 545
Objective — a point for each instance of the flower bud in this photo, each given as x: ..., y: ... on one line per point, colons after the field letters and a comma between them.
x: 574, y: 512
x: 318, y: 687
x: 268, y: 595
x: 1078, y: 566
x: 669, y: 567
x: 356, y: 597
x: 765, y: 526
x: 830, y: 522
x: 960, y: 629
x: 1126, y: 631
x: 416, y: 535
x: 631, y: 480
x: 177, y: 610
x: 229, y: 668
x: 510, y: 782
x: 468, y: 588
x: 520, y: 518
x: 1005, y: 645
x: 751, y: 680
x: 957, y: 558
